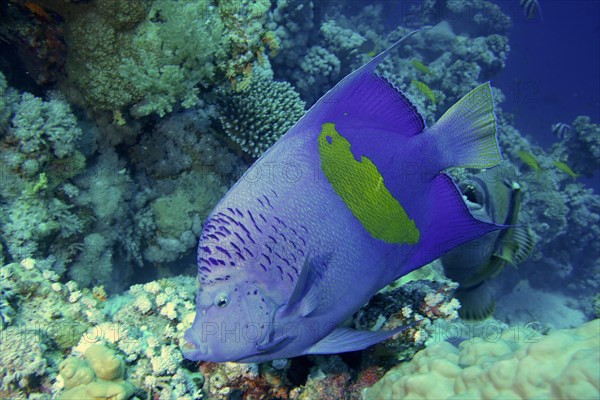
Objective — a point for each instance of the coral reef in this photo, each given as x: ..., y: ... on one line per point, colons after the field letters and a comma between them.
x: 189, y: 34
x: 561, y: 365
x: 562, y: 213
x: 22, y: 365
x: 415, y: 304
x: 580, y: 146
x: 94, y: 217
x: 471, y: 17
x: 37, y: 155
x: 47, y: 316
x: 112, y: 55
x: 102, y: 192
x: 145, y: 326
x: 107, y: 183
x: 184, y: 169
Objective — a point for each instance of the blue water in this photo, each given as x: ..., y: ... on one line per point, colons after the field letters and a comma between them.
x: 553, y: 71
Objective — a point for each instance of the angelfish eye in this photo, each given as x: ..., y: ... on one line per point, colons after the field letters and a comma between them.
x: 222, y: 300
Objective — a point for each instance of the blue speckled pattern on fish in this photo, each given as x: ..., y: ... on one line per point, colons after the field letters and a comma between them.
x: 281, y: 252
x: 350, y: 199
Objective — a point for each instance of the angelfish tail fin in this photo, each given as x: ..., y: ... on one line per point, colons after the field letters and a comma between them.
x: 466, y: 133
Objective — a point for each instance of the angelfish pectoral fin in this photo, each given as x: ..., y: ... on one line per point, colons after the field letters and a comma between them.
x: 342, y: 340
x: 273, y: 345
x: 305, y: 297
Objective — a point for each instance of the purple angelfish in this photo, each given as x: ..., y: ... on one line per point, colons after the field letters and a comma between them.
x: 350, y: 199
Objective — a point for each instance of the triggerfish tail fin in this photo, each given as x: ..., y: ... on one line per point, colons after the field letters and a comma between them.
x: 476, y: 303
x: 466, y: 133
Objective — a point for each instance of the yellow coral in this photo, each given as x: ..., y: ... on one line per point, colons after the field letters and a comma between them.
x: 28, y: 263
x: 99, y: 376
x: 561, y: 365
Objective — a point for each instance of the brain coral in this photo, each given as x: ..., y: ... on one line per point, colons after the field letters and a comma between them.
x: 561, y: 365
x: 99, y: 376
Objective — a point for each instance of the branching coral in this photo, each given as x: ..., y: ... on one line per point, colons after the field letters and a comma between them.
x: 40, y: 125
x: 258, y: 116
x: 37, y: 154
x: 190, y: 34
x: 22, y: 365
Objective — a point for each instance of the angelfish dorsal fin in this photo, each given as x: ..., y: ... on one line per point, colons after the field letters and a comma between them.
x: 367, y: 100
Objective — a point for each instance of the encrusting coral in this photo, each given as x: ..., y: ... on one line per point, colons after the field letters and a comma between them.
x: 561, y: 365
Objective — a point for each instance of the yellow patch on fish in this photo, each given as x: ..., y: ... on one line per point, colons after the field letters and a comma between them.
x: 363, y: 190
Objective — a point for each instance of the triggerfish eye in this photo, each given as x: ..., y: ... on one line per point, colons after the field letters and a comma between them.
x: 474, y: 195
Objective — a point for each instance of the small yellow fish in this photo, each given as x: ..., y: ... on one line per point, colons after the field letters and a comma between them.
x: 566, y: 169
x: 423, y: 88
x: 419, y: 66
x: 530, y: 160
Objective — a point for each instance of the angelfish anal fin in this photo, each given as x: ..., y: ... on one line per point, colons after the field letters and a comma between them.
x: 305, y: 297
x: 342, y: 340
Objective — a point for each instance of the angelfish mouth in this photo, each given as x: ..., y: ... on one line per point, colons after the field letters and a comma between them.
x: 193, y: 352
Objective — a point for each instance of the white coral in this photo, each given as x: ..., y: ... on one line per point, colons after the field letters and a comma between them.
x: 143, y: 304
x: 167, y: 362
x: 169, y: 311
